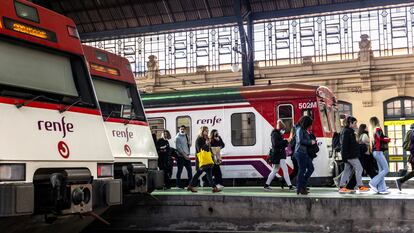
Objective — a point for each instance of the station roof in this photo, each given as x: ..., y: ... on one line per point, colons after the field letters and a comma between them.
x: 99, y: 19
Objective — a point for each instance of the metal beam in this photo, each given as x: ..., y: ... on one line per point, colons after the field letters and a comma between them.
x: 247, y: 80
x: 158, y: 28
x: 233, y: 19
x: 327, y: 8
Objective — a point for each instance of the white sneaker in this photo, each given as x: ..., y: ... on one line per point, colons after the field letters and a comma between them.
x: 219, y: 186
x: 384, y: 192
x: 267, y: 188
x: 373, y: 188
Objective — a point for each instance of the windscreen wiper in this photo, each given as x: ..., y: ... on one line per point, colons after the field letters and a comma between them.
x: 76, y: 101
x: 110, y: 114
x: 33, y: 99
x: 128, y: 120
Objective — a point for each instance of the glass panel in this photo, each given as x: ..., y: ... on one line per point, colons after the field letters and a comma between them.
x: 111, y: 92
x: 36, y: 70
x: 186, y: 121
x: 243, y: 129
x: 157, y: 125
x: 285, y: 113
x: 324, y: 117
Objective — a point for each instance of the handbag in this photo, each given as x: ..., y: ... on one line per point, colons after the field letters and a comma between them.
x: 288, y: 150
x: 216, y: 154
x: 205, y: 158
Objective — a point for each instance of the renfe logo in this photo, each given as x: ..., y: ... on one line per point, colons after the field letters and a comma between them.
x: 211, y: 121
x: 123, y: 134
x: 61, y: 126
x: 63, y: 149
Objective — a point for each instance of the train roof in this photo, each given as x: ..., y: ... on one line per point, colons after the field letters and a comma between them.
x: 114, y: 68
x: 228, y: 95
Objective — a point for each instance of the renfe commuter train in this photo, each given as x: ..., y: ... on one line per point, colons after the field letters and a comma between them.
x: 245, y: 118
x: 55, y: 157
x: 126, y: 125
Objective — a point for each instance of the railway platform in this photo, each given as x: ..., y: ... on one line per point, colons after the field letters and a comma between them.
x: 251, y: 209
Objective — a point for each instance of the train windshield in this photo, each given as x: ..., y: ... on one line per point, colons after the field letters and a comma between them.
x: 323, y: 112
x: 117, y: 100
x: 33, y: 73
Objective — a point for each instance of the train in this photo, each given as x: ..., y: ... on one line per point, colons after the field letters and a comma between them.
x: 245, y: 117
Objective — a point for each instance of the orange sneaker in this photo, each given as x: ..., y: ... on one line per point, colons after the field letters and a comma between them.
x: 344, y: 190
x: 363, y: 189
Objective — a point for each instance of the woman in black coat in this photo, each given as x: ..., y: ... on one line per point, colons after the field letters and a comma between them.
x: 278, y: 156
x: 202, y: 143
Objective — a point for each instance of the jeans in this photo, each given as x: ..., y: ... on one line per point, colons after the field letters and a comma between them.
x: 275, y: 169
x: 369, y: 164
x: 208, y: 170
x: 217, y: 176
x: 305, y: 169
x: 379, y: 181
x: 182, y: 162
x: 408, y: 175
x: 350, y: 166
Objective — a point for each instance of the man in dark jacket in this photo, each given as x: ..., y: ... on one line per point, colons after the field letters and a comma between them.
x: 409, y: 175
x: 350, y: 155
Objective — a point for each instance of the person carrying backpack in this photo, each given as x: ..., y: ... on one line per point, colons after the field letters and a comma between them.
x: 410, y: 145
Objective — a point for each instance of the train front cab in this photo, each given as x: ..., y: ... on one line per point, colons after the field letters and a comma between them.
x: 54, y: 155
x: 126, y: 126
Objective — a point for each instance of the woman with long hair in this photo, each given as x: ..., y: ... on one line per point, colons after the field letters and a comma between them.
x: 379, y: 145
x: 350, y: 152
x: 303, y: 141
x: 216, y: 144
x: 367, y: 160
x: 278, y: 146
x: 202, y: 143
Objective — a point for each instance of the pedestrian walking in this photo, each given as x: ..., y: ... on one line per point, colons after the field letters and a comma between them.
x: 410, y: 145
x: 278, y: 156
x: 303, y: 141
x: 379, y: 145
x: 202, y: 143
x: 182, y: 145
x: 216, y: 143
x: 350, y: 151
x: 165, y: 159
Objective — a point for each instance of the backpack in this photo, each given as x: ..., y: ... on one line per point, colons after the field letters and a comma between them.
x: 407, y: 140
x: 336, y: 142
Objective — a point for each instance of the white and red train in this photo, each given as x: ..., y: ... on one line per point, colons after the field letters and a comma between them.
x: 245, y: 117
x: 126, y: 126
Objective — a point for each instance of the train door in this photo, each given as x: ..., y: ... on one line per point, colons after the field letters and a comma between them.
x: 285, y: 112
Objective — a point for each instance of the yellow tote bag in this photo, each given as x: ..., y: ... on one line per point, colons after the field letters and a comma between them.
x: 204, y: 158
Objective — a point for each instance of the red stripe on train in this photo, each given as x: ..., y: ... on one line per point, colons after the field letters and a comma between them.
x: 50, y: 106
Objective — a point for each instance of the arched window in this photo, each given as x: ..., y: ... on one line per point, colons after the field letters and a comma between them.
x: 344, y: 108
x: 399, y: 107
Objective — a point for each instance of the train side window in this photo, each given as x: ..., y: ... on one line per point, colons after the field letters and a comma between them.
x: 285, y: 113
x: 157, y: 125
x: 186, y: 121
x: 243, y: 129
x: 324, y: 118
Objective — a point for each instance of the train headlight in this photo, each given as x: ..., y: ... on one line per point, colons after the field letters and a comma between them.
x: 105, y: 170
x: 26, y: 12
x: 73, y: 32
x: 12, y: 172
